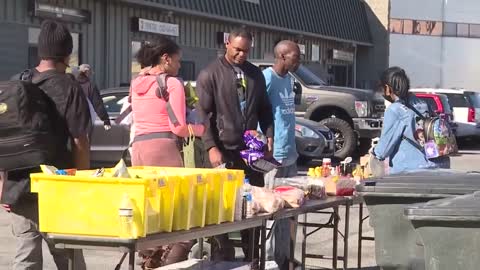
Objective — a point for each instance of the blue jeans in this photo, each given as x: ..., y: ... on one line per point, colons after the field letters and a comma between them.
x: 281, y: 229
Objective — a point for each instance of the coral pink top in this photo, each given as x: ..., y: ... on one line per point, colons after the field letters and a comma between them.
x: 150, y: 112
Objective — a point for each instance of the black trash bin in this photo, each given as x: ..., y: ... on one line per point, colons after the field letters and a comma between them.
x: 397, y: 245
x: 450, y: 232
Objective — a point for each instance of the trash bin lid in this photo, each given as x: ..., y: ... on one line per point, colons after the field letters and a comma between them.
x: 427, y: 183
x: 459, y: 208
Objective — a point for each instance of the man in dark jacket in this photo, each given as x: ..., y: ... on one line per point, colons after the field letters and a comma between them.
x: 93, y: 95
x: 232, y: 93
x: 54, y: 49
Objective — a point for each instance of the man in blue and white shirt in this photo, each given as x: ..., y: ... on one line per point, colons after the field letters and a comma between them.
x: 280, y: 92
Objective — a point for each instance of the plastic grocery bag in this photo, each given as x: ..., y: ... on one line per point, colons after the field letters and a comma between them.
x: 189, y: 149
x: 266, y: 200
x: 377, y: 167
x: 292, y: 196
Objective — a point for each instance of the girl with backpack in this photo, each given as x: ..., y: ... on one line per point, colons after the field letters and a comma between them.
x: 159, y: 115
x: 398, y: 137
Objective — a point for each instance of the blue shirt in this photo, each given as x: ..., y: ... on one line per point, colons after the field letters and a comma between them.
x: 282, y: 98
x: 399, y: 121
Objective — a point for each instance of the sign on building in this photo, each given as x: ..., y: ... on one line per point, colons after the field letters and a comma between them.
x: 149, y: 26
x: 342, y: 55
x: 302, y: 48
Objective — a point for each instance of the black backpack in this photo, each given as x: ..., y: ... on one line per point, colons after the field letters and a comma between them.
x: 27, y: 124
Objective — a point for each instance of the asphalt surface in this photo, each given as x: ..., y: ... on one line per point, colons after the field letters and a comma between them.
x: 319, y: 243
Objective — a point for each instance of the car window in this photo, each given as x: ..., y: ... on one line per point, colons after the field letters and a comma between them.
x: 308, y: 77
x: 114, y: 102
x: 473, y: 98
x: 263, y: 67
x: 432, y: 105
x: 457, y: 100
x: 446, y: 104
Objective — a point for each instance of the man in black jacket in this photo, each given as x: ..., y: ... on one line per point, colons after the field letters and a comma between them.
x: 54, y: 48
x: 232, y: 93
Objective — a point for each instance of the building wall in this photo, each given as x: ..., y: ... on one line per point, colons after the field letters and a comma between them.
x: 419, y: 56
x: 461, y: 65
x: 438, y: 61
x: 414, y: 9
x: 106, y: 43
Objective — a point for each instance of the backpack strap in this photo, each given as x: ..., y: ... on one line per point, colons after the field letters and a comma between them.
x: 26, y: 75
x: 127, y: 111
x: 415, y: 110
x: 162, y: 93
x: 413, y: 143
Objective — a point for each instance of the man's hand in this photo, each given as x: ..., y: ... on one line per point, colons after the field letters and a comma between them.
x: 215, y: 157
x: 269, y: 152
x: 81, y: 153
x: 107, y: 125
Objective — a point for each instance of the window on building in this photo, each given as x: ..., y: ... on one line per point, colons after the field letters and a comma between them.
x: 450, y: 29
x: 434, y: 28
x: 462, y: 30
x: 136, y: 45
x: 407, y: 26
x: 475, y: 30
x: 396, y: 26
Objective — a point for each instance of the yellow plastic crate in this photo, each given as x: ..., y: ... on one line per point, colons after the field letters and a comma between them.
x: 86, y: 205
x: 222, y: 186
x: 190, y: 196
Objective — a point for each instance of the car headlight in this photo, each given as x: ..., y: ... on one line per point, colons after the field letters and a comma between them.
x: 361, y: 107
x: 306, y: 132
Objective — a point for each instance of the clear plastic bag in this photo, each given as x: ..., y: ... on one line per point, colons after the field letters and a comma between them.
x: 292, y: 196
x: 265, y: 200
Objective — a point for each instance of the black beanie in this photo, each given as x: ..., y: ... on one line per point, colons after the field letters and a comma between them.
x: 55, y: 41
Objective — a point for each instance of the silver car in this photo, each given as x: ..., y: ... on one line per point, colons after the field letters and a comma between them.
x: 313, y: 140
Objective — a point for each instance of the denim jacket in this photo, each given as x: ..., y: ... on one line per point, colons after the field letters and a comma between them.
x: 399, y: 122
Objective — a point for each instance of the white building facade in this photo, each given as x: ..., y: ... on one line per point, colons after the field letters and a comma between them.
x: 437, y: 42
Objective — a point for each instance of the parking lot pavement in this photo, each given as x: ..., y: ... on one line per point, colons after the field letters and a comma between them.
x: 319, y: 243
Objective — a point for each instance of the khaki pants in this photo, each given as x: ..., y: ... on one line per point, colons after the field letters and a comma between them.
x: 24, y: 222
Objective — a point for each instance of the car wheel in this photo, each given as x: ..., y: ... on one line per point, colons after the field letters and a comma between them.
x: 345, y: 140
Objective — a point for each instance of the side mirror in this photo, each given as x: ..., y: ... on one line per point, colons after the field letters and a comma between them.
x: 297, y: 89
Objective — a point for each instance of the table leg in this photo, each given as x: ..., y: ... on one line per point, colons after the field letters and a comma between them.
x: 304, y: 241
x: 200, y: 247
x: 360, y: 233
x: 251, y: 244
x: 131, y: 260
x: 335, y: 238
x: 71, y: 258
x: 345, y: 237
x: 263, y: 241
x: 293, y: 237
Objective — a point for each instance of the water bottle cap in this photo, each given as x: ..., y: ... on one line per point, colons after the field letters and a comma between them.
x: 246, y: 181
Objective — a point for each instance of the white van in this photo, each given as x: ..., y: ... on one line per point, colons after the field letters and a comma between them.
x: 465, y: 106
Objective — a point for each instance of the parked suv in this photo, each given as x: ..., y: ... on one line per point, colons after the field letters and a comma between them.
x: 466, y: 109
x: 354, y: 115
